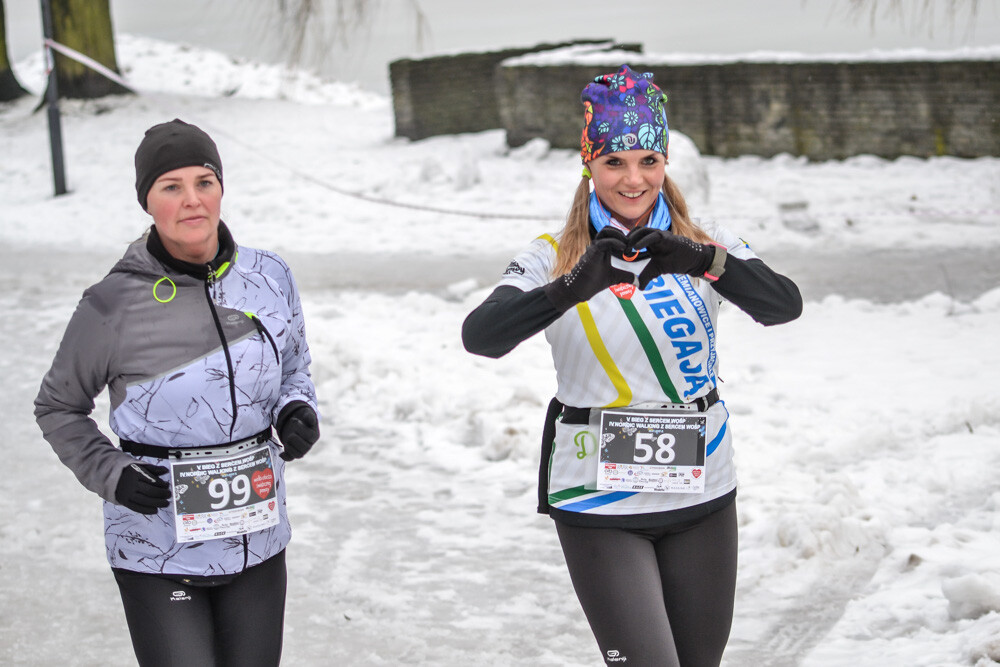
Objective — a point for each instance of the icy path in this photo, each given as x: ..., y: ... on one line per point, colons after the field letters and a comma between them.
x: 410, y: 547
x: 416, y: 541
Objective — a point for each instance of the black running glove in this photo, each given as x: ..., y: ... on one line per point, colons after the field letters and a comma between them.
x: 669, y: 253
x: 592, y: 273
x: 298, y: 429
x: 141, y: 490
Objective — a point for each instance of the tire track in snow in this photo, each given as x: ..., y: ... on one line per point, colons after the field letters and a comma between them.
x: 793, y: 631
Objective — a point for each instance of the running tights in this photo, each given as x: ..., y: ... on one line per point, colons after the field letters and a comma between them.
x: 661, y: 596
x: 236, y: 623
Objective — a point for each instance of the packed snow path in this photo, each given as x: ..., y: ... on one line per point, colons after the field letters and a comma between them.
x: 416, y: 541
x: 866, y: 432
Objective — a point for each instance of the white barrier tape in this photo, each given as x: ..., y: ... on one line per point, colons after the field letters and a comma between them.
x: 50, y: 62
x: 73, y: 54
x: 367, y: 198
x: 101, y: 69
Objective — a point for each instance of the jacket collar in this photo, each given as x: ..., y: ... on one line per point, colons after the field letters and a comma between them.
x: 212, y: 270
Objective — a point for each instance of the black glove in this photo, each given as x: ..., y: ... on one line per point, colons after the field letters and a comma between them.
x: 592, y: 273
x: 669, y: 253
x: 141, y: 490
x: 298, y: 429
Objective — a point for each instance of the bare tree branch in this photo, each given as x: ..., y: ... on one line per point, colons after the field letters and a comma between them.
x: 314, y: 26
x: 919, y: 13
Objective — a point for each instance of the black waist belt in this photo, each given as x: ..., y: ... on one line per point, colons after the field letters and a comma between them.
x: 156, y: 451
x: 548, y: 436
x: 571, y: 415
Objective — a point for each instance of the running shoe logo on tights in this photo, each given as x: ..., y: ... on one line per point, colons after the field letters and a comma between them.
x: 614, y: 655
x: 179, y: 596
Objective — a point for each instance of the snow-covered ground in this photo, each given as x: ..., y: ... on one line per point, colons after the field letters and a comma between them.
x: 867, y: 432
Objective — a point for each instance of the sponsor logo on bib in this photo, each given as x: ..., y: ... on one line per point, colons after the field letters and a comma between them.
x: 262, y: 482
x: 623, y: 290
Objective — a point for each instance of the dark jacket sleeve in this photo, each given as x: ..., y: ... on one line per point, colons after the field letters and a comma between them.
x: 507, y: 317
x: 756, y: 289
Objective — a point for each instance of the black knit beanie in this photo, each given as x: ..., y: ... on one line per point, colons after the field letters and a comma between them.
x: 170, y: 146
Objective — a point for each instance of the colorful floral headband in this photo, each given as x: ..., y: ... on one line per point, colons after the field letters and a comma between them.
x: 623, y: 111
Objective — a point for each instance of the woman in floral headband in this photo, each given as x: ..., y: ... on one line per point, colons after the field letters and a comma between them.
x: 637, y: 459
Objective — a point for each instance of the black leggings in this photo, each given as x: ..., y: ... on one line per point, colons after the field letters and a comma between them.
x: 661, y: 596
x: 236, y: 623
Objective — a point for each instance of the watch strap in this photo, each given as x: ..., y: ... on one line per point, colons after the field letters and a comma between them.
x: 718, y: 266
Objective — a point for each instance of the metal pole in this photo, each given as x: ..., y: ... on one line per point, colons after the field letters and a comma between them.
x: 52, y: 102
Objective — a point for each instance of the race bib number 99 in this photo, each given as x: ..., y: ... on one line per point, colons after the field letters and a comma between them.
x: 224, y: 496
x: 652, y: 451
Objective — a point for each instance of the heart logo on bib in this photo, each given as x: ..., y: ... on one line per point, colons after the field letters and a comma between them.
x: 262, y: 481
x: 696, y: 472
x: 623, y: 290
x: 270, y: 505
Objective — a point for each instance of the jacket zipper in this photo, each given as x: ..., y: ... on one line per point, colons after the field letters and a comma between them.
x: 209, y: 281
x: 225, y: 348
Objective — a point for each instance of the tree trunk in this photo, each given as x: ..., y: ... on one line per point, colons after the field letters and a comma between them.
x: 10, y: 88
x: 84, y: 25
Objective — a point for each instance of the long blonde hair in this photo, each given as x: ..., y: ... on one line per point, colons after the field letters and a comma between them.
x: 575, y: 235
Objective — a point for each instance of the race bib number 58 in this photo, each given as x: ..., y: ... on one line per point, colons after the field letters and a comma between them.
x: 224, y: 496
x: 654, y: 451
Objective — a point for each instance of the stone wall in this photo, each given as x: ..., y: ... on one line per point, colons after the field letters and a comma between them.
x: 820, y: 110
x: 454, y: 93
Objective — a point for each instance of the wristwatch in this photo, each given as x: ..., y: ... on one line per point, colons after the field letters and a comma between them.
x: 718, y: 266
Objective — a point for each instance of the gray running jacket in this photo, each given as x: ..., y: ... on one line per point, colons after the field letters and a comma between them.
x: 193, y: 356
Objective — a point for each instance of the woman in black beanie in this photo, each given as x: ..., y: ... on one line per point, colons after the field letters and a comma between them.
x: 202, y: 346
